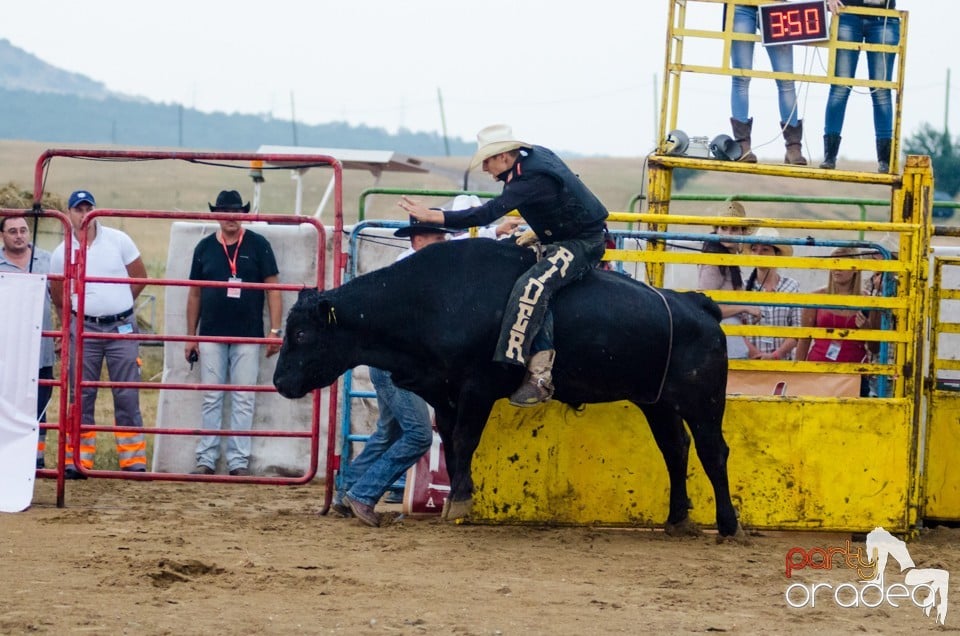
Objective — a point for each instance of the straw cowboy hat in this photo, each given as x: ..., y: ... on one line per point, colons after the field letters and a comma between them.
x: 493, y: 140
x: 771, y: 233
x: 735, y: 209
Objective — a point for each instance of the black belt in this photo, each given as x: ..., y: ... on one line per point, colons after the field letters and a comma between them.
x: 102, y: 320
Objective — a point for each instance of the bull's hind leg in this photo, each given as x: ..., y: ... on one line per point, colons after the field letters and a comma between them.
x: 674, y: 444
x: 473, y: 408
x: 703, y: 412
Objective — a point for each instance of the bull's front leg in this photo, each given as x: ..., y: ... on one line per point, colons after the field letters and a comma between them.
x: 674, y: 444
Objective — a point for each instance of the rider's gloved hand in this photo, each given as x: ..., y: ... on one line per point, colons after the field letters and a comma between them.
x: 528, y: 237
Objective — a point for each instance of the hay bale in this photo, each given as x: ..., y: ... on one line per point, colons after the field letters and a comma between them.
x: 12, y: 196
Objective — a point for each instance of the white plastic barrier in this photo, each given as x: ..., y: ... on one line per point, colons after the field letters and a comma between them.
x: 20, y: 343
x: 295, y: 248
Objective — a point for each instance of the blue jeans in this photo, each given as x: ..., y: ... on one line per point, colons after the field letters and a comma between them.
x: 404, y: 433
x: 741, y: 56
x: 872, y: 30
x: 241, y: 363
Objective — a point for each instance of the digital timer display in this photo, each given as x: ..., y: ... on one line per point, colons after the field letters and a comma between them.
x: 792, y: 22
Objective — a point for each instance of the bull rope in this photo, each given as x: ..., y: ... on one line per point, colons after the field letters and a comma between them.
x: 666, y: 366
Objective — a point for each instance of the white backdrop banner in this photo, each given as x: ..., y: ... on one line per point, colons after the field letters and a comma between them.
x: 22, y: 295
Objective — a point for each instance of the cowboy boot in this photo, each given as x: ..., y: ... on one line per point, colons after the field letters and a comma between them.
x: 741, y: 134
x: 793, y: 136
x: 831, y: 146
x: 537, y: 387
x: 883, y: 155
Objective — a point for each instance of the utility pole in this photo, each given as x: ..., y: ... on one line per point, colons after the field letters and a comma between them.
x: 443, y: 123
x: 946, y: 110
x: 293, y: 119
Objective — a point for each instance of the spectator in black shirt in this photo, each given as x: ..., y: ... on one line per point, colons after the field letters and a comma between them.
x: 233, y: 254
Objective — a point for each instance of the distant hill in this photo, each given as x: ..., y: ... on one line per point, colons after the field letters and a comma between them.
x: 39, y: 102
x: 22, y: 71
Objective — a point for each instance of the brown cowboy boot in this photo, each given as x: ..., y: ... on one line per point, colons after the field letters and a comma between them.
x: 538, y: 385
x: 793, y: 136
x: 741, y: 134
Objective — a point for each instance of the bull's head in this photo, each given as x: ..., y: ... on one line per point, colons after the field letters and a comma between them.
x: 315, y: 351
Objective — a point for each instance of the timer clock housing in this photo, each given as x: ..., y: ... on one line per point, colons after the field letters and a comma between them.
x: 793, y: 22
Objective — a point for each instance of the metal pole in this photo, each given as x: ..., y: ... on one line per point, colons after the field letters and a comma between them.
x: 656, y: 111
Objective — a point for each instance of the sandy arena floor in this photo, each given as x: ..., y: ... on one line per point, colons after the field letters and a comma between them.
x: 171, y: 558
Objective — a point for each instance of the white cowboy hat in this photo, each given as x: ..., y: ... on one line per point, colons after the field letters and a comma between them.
x: 890, y: 242
x: 493, y: 140
x: 772, y: 233
x: 463, y: 202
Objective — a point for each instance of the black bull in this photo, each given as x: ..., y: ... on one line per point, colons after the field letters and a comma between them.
x: 433, y: 319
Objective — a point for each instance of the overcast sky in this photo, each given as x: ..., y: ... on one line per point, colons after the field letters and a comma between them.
x: 575, y: 76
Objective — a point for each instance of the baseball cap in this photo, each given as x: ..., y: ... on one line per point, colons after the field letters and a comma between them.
x: 79, y: 197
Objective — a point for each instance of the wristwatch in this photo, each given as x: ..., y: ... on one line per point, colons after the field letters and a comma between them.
x: 277, y: 332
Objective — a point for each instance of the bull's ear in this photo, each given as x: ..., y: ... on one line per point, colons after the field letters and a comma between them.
x: 305, y: 291
x: 324, y: 314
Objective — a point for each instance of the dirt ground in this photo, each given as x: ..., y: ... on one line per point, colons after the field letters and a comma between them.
x: 175, y: 558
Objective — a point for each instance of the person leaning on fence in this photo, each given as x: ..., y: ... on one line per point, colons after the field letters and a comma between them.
x: 769, y: 279
x: 872, y: 30
x: 846, y: 282
x: 563, y: 214
x: 728, y: 277
x: 236, y: 255
x: 20, y: 256
x: 404, y: 430
x: 781, y: 59
x: 108, y: 308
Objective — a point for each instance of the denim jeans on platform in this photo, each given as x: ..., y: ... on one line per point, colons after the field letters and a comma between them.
x: 404, y: 433
x: 227, y: 364
x: 741, y: 56
x: 872, y: 30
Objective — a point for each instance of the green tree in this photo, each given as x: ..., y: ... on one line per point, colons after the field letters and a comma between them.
x: 681, y: 176
x: 943, y: 152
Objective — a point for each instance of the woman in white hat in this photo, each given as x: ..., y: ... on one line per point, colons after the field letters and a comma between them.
x: 563, y: 215
x: 769, y: 279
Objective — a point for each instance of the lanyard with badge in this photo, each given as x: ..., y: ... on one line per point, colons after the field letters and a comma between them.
x: 232, y: 292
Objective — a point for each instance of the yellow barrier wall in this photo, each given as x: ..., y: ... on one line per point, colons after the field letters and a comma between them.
x: 828, y: 464
x: 941, y: 478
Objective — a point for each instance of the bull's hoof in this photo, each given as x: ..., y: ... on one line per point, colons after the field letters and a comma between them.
x: 685, y: 528
x: 456, y: 510
x: 739, y: 537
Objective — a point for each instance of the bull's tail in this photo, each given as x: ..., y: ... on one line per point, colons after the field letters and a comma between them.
x: 706, y: 303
